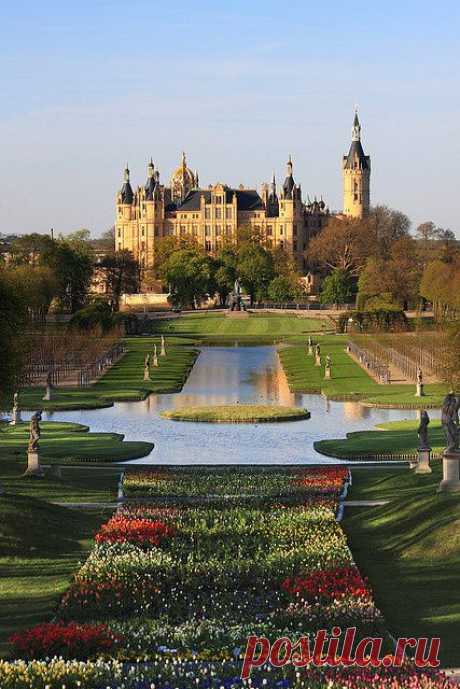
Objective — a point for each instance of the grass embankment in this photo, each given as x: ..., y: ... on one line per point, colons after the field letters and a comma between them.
x: 237, y: 413
x: 410, y: 550
x: 124, y: 381
x: 41, y: 546
x: 349, y: 381
x: 69, y: 443
x: 216, y: 328
x: 396, y: 437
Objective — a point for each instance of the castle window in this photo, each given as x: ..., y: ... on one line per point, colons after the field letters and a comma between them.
x: 183, y: 229
x: 269, y: 230
x: 218, y: 213
x: 228, y: 213
x: 119, y: 232
x: 143, y: 246
x: 207, y: 230
x: 282, y: 244
x: 143, y: 230
x: 119, y: 246
x: 228, y: 230
x: 207, y: 245
x: 207, y: 213
x: 218, y: 199
x: 218, y: 229
x: 195, y: 230
x: 281, y: 229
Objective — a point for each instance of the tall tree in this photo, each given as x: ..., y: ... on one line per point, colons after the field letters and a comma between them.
x: 121, y: 271
x: 342, y: 245
x: 337, y: 288
x: 188, y: 274
x: 13, y: 314
x: 255, y: 269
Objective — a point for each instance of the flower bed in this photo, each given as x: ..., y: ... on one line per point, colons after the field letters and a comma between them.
x: 222, y: 482
x: 180, y: 589
x: 67, y: 641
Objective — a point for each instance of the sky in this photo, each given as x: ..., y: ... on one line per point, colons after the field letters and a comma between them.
x: 88, y: 86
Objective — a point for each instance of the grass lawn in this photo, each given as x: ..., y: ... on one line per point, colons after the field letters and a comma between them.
x: 258, y: 328
x: 237, y: 413
x: 410, y: 550
x: 397, y: 437
x: 64, y: 442
x: 349, y: 381
x: 124, y: 381
x: 45, y: 544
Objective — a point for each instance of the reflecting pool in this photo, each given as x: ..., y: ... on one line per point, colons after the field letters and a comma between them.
x: 228, y: 375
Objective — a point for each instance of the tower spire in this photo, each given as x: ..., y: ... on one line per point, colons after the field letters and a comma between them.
x: 356, y: 129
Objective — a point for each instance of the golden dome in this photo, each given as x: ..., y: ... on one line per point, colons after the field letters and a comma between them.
x: 183, y: 174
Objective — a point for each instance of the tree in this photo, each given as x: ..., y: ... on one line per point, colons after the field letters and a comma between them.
x: 121, y: 272
x: 427, y: 231
x: 165, y: 247
x: 343, y: 245
x: 188, y: 274
x: 224, y: 273
x: 69, y: 260
x: 337, y: 288
x: 387, y: 226
x: 36, y: 286
x: 255, y: 269
x: 283, y: 288
x: 13, y: 314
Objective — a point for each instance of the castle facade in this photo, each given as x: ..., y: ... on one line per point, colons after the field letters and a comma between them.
x: 212, y: 216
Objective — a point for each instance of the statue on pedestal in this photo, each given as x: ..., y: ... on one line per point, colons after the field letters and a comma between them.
x: 16, y: 416
x: 449, y: 421
x: 34, y: 431
x: 147, y: 367
x: 163, y: 348
x: 49, y: 386
x: 155, y: 355
x: 328, y: 367
x: 422, y: 431
x: 235, y: 300
x: 419, y: 390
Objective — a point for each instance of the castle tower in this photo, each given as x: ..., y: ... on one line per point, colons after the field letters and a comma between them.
x: 356, y: 171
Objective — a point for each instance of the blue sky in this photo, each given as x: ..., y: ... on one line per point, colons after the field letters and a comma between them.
x: 238, y: 85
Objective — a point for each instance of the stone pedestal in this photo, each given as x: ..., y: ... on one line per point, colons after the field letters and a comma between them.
x: 420, y: 391
x: 146, y: 374
x: 48, y: 394
x: 33, y: 465
x: 327, y: 373
x: 423, y: 464
x: 310, y: 350
x: 317, y: 360
x: 163, y: 348
x: 450, y: 473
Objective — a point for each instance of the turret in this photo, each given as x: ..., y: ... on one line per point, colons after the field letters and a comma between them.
x: 289, y: 183
x: 356, y: 171
x: 126, y: 192
x: 151, y: 181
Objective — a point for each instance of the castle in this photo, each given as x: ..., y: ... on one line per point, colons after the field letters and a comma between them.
x: 213, y: 216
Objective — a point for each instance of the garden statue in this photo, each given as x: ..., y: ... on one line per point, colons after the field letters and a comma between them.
x: 16, y: 416
x: 419, y: 391
x: 49, y: 386
x: 317, y: 355
x: 328, y: 368
x: 235, y: 301
x: 422, y: 431
x: 155, y: 355
x: 147, y: 367
x: 163, y: 348
x: 451, y: 457
x: 310, y: 346
x: 34, y: 431
x: 449, y: 421
x: 33, y: 463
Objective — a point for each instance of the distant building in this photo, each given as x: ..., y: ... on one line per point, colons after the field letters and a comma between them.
x: 213, y: 216
x: 356, y: 170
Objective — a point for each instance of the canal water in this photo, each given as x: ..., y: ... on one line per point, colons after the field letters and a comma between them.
x: 230, y: 375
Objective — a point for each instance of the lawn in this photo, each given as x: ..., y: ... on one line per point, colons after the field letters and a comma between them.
x: 396, y: 437
x: 237, y: 413
x: 410, y: 550
x: 45, y: 544
x: 349, y: 381
x: 265, y: 328
x: 125, y: 380
x: 68, y: 443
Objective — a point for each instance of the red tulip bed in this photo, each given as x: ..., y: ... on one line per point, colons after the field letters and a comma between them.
x: 171, y: 592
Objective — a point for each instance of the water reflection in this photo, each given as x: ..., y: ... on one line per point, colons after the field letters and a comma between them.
x: 227, y: 375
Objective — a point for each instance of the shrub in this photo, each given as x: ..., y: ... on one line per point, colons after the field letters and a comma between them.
x: 380, y: 320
